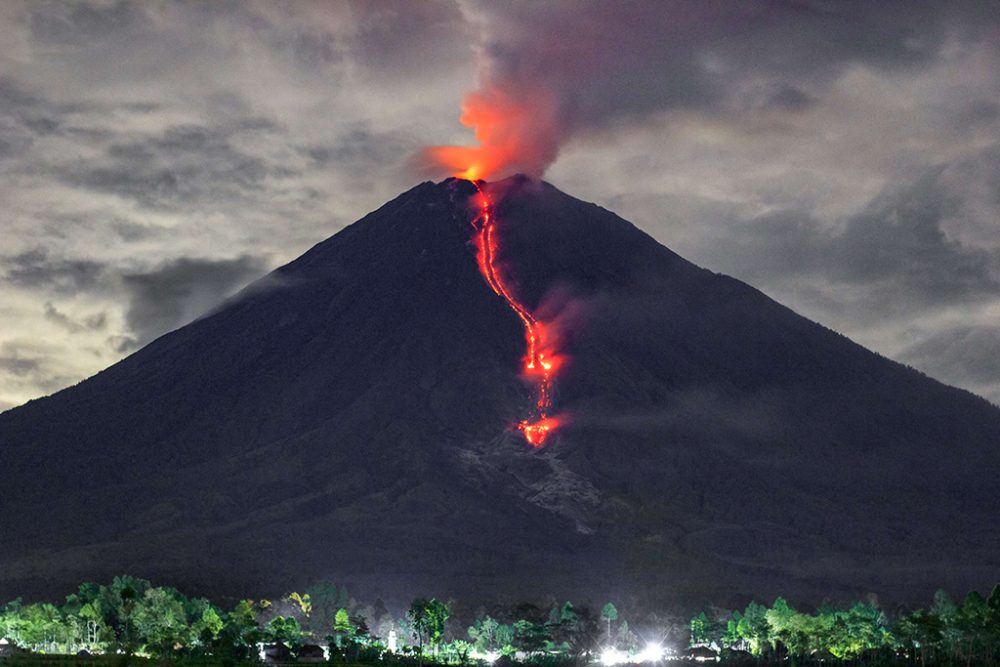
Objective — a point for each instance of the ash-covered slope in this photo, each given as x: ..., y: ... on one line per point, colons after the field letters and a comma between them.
x: 349, y: 416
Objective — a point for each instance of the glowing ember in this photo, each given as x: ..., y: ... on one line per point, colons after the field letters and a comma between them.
x: 536, y: 432
x: 539, y: 361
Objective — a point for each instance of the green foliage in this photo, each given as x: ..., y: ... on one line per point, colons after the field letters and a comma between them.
x: 529, y: 637
x: 140, y: 622
x: 699, y: 630
x: 284, y: 630
x: 159, y: 619
x: 240, y: 631
x: 489, y: 636
x: 303, y: 602
x: 755, y: 629
x: 609, y: 613
x: 483, y: 634
x: 968, y: 632
x: 209, y: 626
x: 324, y: 599
x: 455, y: 652
x: 342, y: 622
x: 427, y: 619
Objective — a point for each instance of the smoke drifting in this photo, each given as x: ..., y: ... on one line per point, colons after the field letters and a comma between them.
x: 553, y: 71
x: 549, y: 71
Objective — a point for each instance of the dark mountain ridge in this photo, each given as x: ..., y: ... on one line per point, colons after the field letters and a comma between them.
x: 349, y: 416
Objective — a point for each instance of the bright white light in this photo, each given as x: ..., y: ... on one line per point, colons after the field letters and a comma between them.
x: 652, y: 652
x: 612, y: 656
x: 489, y: 656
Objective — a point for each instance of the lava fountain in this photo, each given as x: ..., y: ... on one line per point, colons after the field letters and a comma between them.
x: 540, y: 362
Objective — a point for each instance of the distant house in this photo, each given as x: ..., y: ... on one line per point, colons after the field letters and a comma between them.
x: 9, y: 648
x: 275, y: 654
x: 739, y: 655
x: 311, y: 653
x: 703, y: 654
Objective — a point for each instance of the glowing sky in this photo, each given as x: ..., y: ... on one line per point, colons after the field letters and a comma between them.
x: 843, y: 157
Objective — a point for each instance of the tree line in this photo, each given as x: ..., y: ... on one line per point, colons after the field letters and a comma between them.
x: 946, y: 632
x: 130, y: 616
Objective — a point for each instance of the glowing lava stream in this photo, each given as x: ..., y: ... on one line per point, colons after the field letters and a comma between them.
x: 537, y: 365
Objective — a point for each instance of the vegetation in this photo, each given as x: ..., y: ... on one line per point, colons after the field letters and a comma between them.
x: 132, y: 621
x: 947, y: 632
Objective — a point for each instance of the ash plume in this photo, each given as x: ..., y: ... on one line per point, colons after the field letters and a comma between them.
x: 551, y: 72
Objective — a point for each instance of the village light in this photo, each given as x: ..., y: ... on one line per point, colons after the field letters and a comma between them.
x: 652, y: 652
x: 613, y: 656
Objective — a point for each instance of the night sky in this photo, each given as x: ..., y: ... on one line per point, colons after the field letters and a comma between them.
x: 156, y: 157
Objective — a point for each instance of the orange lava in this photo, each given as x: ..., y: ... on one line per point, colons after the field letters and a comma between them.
x: 539, y: 361
x: 536, y: 432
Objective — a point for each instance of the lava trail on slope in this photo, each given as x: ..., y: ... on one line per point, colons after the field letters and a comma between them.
x: 539, y: 364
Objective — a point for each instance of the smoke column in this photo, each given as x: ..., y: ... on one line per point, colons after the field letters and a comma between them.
x: 548, y: 71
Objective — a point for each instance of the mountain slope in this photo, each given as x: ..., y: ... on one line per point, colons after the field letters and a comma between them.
x: 349, y: 416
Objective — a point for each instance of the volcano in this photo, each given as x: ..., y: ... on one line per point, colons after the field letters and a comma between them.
x: 353, y: 416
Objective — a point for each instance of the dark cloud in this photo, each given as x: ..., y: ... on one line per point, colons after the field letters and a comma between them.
x: 122, y: 344
x: 54, y: 315
x: 82, y: 23
x: 791, y: 98
x: 360, y: 148
x: 95, y: 322
x: 131, y: 232
x: 19, y: 366
x: 22, y: 117
x: 310, y: 48
x: 399, y: 39
x: 30, y: 113
x: 36, y: 269
x: 896, y: 256
x: 964, y: 355
x: 186, y: 164
x: 180, y: 291
x: 901, y: 238
x: 637, y: 58
x: 17, y: 102
x: 25, y: 363
x: 13, y: 142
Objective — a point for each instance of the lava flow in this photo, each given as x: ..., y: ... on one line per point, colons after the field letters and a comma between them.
x: 539, y: 365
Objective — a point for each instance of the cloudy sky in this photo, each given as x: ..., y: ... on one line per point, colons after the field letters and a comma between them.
x: 842, y: 157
